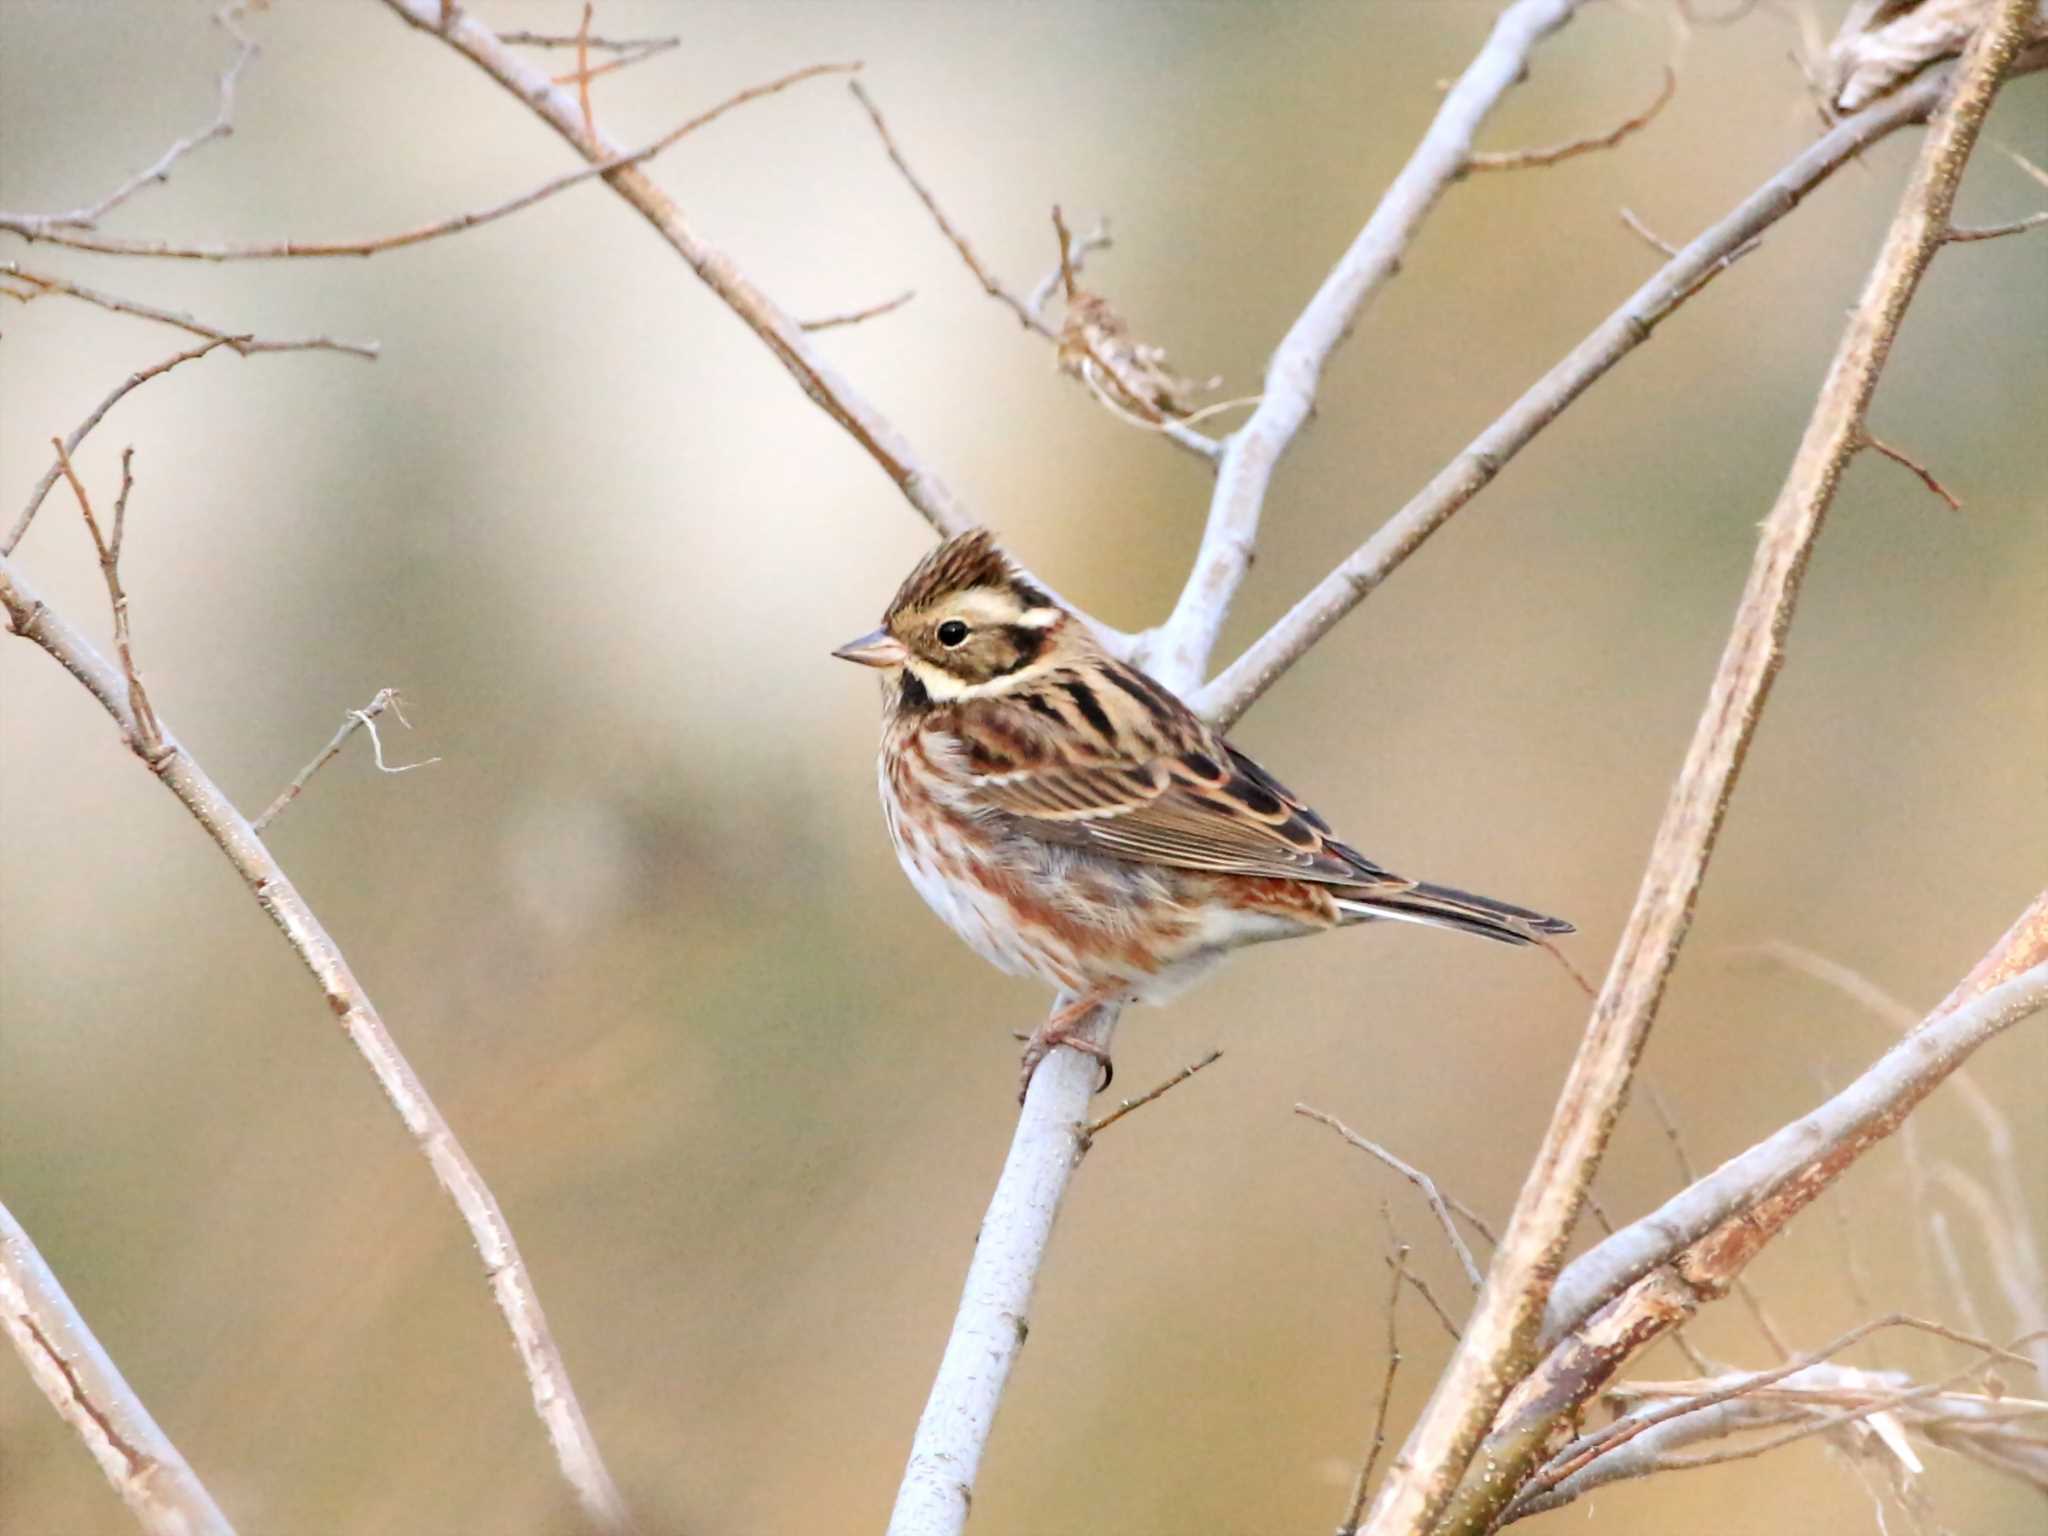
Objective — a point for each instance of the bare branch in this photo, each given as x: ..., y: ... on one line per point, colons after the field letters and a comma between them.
x: 1818, y: 1146
x: 70, y: 444
x: 1686, y: 1171
x: 609, y: 163
x: 1963, y: 234
x: 1415, y: 1176
x: 990, y: 283
x: 1095, y: 1127
x: 357, y: 719
x: 854, y: 317
x: 241, y: 342
x: 1178, y: 654
x: 1240, y: 685
x: 148, y: 739
x: 1671, y: 1415
x: 227, y: 18
x: 920, y: 485
x: 1072, y: 260
x: 1355, y: 1511
x: 1899, y: 456
x: 89, y: 1393
x: 1029, y: 312
x: 575, y: 39
x: 1590, y: 1348
x: 1522, y: 159
x: 554, y: 1398
x: 1501, y: 1339
x: 995, y: 1304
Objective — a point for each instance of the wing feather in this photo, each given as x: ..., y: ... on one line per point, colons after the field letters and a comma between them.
x: 1138, y: 776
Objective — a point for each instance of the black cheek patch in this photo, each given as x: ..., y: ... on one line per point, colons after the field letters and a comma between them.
x: 1028, y: 643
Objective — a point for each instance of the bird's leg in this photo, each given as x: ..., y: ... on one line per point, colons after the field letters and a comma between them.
x: 1061, y: 1028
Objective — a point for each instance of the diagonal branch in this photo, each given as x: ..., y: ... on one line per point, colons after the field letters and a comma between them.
x: 70, y: 444
x: 1178, y: 654
x: 279, y: 250
x: 1500, y: 1341
x: 242, y: 343
x: 1591, y: 1351
x: 1849, y: 1122
x: 919, y: 483
x: 89, y: 1393
x: 1241, y: 684
x: 1524, y: 159
x: 227, y: 18
x: 554, y: 1399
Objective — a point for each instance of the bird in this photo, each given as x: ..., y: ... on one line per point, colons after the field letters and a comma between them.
x: 1073, y: 820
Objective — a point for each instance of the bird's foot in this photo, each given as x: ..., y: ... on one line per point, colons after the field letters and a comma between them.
x: 1063, y: 1028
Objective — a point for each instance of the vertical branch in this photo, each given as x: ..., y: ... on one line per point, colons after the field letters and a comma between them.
x: 1179, y: 653
x: 1500, y: 1340
x: 995, y: 1304
x: 89, y: 1393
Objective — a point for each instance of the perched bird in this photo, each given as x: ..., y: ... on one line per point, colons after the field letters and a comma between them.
x: 1072, y: 820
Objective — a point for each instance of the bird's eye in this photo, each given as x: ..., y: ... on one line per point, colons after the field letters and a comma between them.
x: 951, y: 633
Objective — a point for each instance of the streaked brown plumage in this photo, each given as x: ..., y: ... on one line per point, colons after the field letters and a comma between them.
x: 1072, y: 820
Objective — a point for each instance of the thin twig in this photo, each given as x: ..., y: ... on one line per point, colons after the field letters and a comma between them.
x: 588, y: 40
x: 1355, y: 1510
x: 1421, y: 1288
x: 918, y: 482
x: 554, y: 1397
x: 1501, y: 1340
x: 1623, y: 1431
x: 1096, y: 1127
x: 357, y: 719
x: 242, y: 343
x: 1030, y: 312
x: 70, y: 444
x: 606, y: 165
x: 990, y: 283
x: 1522, y: 159
x: 87, y: 1389
x: 1072, y: 259
x: 1899, y: 456
x: 159, y: 170
x: 1747, y: 1203
x: 1422, y: 1181
x: 148, y: 741
x: 1964, y: 234
x: 855, y: 317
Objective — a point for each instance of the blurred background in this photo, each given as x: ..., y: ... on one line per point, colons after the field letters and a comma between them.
x: 742, y: 1097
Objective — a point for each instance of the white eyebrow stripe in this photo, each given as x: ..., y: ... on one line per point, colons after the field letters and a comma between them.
x: 1038, y: 618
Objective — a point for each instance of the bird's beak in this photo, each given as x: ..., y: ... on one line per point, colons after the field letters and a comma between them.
x: 879, y: 649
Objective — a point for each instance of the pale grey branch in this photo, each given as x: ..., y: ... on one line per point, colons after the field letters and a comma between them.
x: 89, y: 1393
x: 554, y: 1398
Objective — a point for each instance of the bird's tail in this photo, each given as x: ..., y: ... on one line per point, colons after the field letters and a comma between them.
x: 1438, y: 906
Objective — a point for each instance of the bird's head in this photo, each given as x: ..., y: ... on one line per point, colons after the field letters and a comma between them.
x: 968, y: 622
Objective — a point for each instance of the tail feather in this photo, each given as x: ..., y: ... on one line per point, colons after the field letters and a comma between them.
x: 1439, y: 906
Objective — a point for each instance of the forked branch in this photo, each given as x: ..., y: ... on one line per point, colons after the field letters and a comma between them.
x: 511, y: 1286
x: 1501, y: 1339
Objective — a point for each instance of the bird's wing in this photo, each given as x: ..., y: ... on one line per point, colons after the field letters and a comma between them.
x: 1106, y: 758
